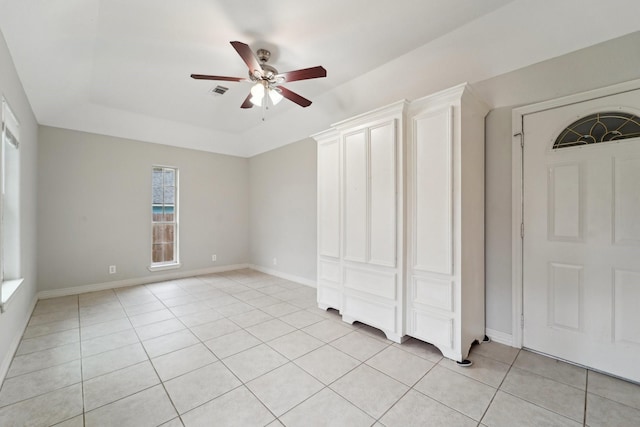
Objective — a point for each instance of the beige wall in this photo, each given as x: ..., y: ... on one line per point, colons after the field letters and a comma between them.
x: 13, y: 320
x: 283, y: 209
x: 498, y: 219
x: 94, y: 197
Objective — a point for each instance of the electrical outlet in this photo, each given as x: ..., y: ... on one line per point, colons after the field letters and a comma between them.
x: 112, y: 269
x: 275, y: 261
x: 214, y: 258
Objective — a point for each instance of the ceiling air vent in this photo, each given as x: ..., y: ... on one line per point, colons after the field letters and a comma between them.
x: 219, y: 90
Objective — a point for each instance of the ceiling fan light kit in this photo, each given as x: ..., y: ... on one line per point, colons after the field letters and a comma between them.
x: 267, y: 88
x: 261, y: 91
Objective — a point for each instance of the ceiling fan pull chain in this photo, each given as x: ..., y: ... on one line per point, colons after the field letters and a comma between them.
x: 265, y: 102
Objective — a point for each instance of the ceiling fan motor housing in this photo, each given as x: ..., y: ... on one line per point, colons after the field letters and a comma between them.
x: 268, y: 73
x: 263, y: 55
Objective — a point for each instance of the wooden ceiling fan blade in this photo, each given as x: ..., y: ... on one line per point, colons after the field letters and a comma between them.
x: 304, y: 74
x: 247, y: 56
x: 247, y: 102
x: 222, y: 78
x: 294, y: 97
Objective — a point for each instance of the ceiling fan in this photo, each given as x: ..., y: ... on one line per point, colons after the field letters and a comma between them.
x: 268, y: 82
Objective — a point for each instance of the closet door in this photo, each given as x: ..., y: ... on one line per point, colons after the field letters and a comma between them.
x: 445, y: 252
x: 371, y: 277
x: 432, y: 292
x: 382, y: 195
x: 360, y: 268
x: 329, y: 242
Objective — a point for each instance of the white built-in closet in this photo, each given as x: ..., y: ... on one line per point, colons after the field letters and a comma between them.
x: 401, y: 220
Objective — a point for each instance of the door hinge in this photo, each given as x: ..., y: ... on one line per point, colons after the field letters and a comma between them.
x: 522, y: 321
x: 522, y: 230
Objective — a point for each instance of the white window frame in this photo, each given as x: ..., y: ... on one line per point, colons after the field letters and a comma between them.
x: 175, y: 263
x: 10, y: 283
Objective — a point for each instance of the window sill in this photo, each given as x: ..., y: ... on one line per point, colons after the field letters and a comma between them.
x: 9, y: 288
x: 162, y: 267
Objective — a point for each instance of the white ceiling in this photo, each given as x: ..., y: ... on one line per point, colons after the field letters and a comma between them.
x: 121, y: 67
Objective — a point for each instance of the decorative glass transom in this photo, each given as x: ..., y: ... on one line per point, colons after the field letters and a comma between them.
x: 599, y: 127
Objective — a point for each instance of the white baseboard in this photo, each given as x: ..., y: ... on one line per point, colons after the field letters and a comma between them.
x: 500, y: 337
x: 13, y: 347
x: 286, y: 276
x: 136, y: 281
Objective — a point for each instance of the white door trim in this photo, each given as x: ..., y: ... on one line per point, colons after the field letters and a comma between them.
x: 517, y: 120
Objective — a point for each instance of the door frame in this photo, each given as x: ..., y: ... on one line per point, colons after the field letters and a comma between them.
x: 517, y: 188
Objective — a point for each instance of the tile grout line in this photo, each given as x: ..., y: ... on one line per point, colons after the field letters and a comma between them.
x: 484, y: 414
x: 84, y: 420
x: 152, y: 365
x: 161, y: 382
x: 40, y: 370
x: 539, y: 406
x: 447, y: 405
x: 276, y: 418
x: 242, y: 383
x: 528, y: 401
x: 22, y: 338
x: 586, y: 395
x: 412, y: 387
x: 403, y: 395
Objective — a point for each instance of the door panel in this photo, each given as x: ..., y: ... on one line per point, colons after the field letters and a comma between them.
x: 627, y: 316
x: 581, y: 275
x: 355, y: 200
x: 329, y: 198
x: 565, y: 202
x: 626, y: 203
x: 383, y: 195
x: 565, y: 296
x: 433, y: 183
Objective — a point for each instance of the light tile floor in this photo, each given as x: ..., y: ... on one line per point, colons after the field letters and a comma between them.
x: 243, y: 348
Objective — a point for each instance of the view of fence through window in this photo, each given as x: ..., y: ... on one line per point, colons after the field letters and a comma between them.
x: 165, y: 210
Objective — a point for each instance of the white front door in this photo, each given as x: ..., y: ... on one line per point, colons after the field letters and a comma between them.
x: 581, y: 250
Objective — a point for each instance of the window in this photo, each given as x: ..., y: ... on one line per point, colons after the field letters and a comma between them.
x: 10, y: 270
x: 598, y: 128
x: 164, y: 223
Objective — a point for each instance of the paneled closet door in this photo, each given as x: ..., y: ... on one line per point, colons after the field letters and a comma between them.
x: 382, y: 193
x: 445, y: 254
x: 370, y: 197
x: 432, y: 292
x: 372, y: 278
x: 329, y: 212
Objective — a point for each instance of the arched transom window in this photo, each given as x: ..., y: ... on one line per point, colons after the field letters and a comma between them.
x: 599, y: 127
